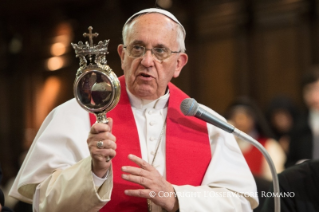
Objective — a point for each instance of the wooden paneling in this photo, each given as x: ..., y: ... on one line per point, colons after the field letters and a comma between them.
x: 259, y: 50
x: 279, y: 49
x: 278, y: 64
x: 216, y: 86
x: 220, y: 53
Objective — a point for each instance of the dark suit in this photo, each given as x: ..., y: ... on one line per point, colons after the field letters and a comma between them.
x: 301, y: 142
x: 303, y: 180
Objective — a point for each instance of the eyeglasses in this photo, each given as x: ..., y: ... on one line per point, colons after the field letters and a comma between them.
x: 159, y: 53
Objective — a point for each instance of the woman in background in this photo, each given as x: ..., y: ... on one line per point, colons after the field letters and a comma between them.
x: 246, y: 116
x: 282, y: 114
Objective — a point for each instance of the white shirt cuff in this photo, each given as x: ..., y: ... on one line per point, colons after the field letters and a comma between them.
x: 99, y: 181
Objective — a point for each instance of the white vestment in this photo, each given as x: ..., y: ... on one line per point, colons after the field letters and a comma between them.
x: 57, y: 168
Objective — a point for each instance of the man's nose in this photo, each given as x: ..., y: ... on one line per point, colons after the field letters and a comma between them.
x: 148, y: 58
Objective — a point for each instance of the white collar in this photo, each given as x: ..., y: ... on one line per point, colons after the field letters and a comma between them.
x: 138, y: 103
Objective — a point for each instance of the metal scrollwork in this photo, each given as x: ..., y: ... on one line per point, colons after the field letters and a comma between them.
x: 96, y: 87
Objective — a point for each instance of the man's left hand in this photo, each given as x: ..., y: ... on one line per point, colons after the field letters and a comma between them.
x: 155, y: 184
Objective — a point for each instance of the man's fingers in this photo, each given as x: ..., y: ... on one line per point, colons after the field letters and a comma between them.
x: 135, y: 171
x: 140, y: 162
x: 101, y: 155
x: 110, y: 124
x: 101, y: 136
x: 99, y: 127
x: 108, y: 144
x: 145, y: 193
x: 143, y: 181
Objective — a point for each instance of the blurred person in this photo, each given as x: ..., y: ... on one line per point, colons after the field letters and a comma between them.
x: 3, y: 208
x: 299, y: 189
x: 304, y: 143
x: 2, y: 203
x: 282, y: 115
x: 244, y: 114
x: 152, y: 146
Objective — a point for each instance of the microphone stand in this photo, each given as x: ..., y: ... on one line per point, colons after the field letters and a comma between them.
x: 248, y: 138
x: 190, y: 107
x: 206, y: 116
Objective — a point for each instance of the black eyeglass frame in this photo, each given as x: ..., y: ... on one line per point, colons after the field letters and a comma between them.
x: 152, y: 51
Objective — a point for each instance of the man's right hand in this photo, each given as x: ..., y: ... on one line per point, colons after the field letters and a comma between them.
x: 101, y: 132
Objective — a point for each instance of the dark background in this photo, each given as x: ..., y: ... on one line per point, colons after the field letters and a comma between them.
x: 257, y: 48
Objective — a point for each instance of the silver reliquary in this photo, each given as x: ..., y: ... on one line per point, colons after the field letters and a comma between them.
x: 96, y: 87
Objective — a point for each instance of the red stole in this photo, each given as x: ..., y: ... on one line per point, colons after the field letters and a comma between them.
x: 254, y: 158
x: 188, y: 151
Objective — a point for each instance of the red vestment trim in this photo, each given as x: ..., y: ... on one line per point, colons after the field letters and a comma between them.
x: 188, y: 152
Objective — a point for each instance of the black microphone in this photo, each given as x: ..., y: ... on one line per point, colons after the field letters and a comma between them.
x: 190, y: 107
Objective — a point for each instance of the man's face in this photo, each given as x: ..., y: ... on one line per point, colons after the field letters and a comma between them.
x: 146, y: 76
x: 311, y: 95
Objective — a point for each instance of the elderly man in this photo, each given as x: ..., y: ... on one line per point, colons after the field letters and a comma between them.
x: 160, y: 159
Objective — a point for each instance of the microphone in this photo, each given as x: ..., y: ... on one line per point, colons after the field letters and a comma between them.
x: 190, y: 107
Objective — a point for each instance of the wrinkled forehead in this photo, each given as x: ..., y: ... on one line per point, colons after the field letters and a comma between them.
x: 152, y: 20
x: 152, y: 29
x: 155, y: 10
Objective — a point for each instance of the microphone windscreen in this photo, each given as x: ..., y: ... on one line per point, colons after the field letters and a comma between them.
x: 189, y: 107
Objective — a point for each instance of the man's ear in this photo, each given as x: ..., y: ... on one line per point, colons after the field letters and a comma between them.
x: 120, y: 51
x: 181, y: 62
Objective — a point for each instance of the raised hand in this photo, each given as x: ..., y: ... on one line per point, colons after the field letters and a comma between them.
x: 154, y: 184
x: 102, y: 146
